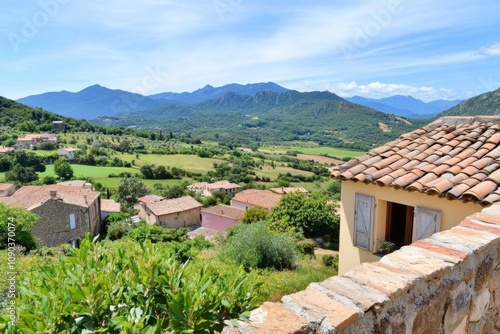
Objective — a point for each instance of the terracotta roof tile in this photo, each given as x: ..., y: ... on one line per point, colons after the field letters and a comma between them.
x: 170, y: 206
x: 455, y: 157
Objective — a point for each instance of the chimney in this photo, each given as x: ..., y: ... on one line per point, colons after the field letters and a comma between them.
x: 53, y: 193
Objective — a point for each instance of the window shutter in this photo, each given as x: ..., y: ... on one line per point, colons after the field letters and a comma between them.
x: 427, y: 222
x: 363, y: 221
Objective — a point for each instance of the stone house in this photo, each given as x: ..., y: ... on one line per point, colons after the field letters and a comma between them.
x: 424, y: 182
x: 220, y: 217
x: 7, y: 189
x: 65, y: 213
x: 5, y: 149
x: 172, y: 213
x: 78, y: 183
x: 207, y: 189
x: 67, y: 153
x: 255, y: 198
x: 58, y: 126
x: 34, y: 139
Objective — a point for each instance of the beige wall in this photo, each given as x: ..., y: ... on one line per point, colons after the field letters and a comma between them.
x: 181, y: 219
x: 452, y: 213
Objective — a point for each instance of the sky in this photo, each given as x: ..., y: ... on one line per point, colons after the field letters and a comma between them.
x: 427, y: 49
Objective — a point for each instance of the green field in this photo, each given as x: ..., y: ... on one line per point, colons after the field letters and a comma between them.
x: 313, y: 150
x: 273, y: 173
x: 188, y: 162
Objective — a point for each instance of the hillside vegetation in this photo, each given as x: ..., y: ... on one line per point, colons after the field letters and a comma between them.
x: 484, y: 104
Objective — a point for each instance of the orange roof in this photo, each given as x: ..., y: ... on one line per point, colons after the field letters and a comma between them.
x: 223, y: 185
x: 225, y: 211
x: 150, y: 198
x: 263, y: 198
x: 453, y: 157
x: 5, y: 186
x: 5, y: 149
x: 30, y: 197
x: 287, y: 190
x: 169, y: 206
x: 108, y: 205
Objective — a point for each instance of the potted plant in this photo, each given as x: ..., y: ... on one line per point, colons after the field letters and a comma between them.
x: 386, y: 246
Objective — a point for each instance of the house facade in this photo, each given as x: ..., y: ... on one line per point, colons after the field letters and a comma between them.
x: 30, y: 140
x: 288, y: 190
x: 67, y: 153
x: 220, y: 217
x: 207, y: 189
x: 255, y: 198
x: 170, y: 213
x: 108, y: 207
x: 65, y: 213
x: 424, y: 182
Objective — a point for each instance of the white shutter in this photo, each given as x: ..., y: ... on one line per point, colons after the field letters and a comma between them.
x: 72, y: 222
x: 426, y: 223
x: 363, y: 221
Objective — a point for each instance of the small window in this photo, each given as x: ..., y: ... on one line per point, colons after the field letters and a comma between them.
x: 399, y: 226
x: 72, y: 221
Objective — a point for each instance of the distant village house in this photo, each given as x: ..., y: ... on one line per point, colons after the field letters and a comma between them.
x: 67, y: 153
x: 171, y: 213
x: 288, y: 190
x: 58, y: 126
x: 207, y: 189
x: 108, y: 207
x: 255, y: 198
x: 221, y: 217
x: 5, y: 149
x: 65, y: 213
x: 31, y: 140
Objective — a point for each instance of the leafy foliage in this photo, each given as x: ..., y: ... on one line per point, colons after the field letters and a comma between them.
x: 129, y: 189
x: 312, y: 216
x: 63, y: 169
x: 254, y: 214
x: 255, y: 246
x: 150, y: 292
x: 22, y: 221
x: 142, y: 232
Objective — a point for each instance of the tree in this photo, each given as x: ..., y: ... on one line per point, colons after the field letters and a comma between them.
x: 148, y: 171
x: 21, y: 174
x: 312, y: 216
x: 16, y: 224
x: 254, y: 214
x: 129, y: 189
x: 63, y: 169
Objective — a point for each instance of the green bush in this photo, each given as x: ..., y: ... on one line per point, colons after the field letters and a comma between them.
x: 254, y: 246
x: 329, y: 260
x: 307, y: 246
x: 118, y: 230
x: 142, y: 232
x: 126, y: 287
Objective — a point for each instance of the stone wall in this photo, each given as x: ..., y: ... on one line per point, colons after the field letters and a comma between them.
x: 448, y: 283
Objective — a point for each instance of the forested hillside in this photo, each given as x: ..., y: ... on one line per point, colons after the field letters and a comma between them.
x: 268, y: 116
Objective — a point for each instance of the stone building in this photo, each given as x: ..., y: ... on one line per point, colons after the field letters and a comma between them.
x: 172, y: 213
x: 65, y: 213
x: 255, y: 198
x: 220, y: 217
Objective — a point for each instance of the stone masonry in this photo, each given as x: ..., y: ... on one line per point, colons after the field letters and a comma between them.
x: 448, y: 283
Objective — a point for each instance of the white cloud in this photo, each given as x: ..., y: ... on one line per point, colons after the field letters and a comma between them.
x: 379, y: 90
x: 490, y: 50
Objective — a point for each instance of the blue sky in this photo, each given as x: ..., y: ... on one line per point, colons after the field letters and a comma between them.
x: 427, y: 49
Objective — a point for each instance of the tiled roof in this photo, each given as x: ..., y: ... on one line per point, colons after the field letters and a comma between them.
x: 263, y: 198
x: 5, y: 149
x: 453, y: 157
x: 225, y: 210
x: 169, y: 206
x: 30, y: 197
x: 287, y: 190
x: 150, y: 198
x: 108, y: 205
x: 223, y: 185
x: 5, y: 186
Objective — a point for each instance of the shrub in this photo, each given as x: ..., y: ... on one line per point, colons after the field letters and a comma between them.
x: 142, y: 232
x: 329, y: 260
x: 254, y: 246
x: 124, y: 287
x: 118, y: 230
x: 307, y: 246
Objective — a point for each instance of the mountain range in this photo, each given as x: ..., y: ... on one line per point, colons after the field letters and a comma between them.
x: 96, y: 101
x: 406, y: 106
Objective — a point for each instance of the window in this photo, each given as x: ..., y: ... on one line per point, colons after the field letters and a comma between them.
x: 363, y: 221
x: 399, y: 224
x: 406, y: 224
x: 72, y: 222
